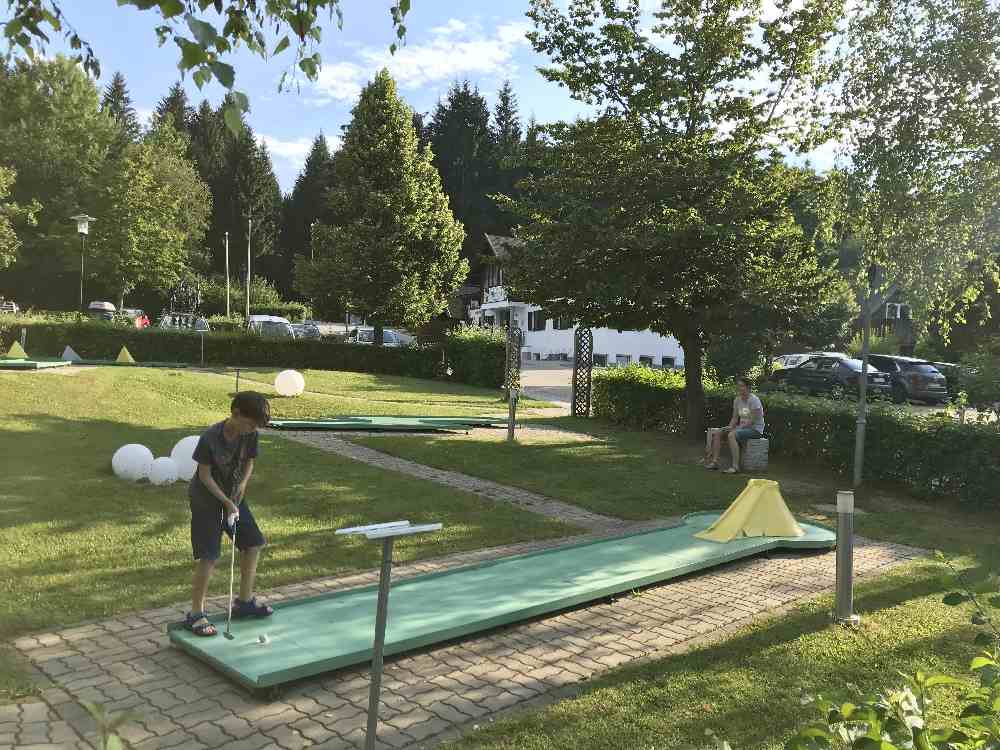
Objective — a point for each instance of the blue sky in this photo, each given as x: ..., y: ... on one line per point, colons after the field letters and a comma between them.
x: 447, y: 41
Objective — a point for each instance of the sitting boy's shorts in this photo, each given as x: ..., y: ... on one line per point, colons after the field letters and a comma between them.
x: 742, y: 435
x: 208, y: 523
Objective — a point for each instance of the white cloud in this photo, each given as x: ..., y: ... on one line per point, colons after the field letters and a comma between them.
x: 454, y: 50
x: 145, y: 116
x: 294, y: 152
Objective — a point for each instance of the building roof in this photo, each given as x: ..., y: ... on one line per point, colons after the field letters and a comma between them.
x: 499, y: 245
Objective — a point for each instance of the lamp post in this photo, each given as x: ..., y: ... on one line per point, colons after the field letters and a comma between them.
x: 312, y: 231
x: 227, y: 274
x: 249, y: 232
x: 83, y: 229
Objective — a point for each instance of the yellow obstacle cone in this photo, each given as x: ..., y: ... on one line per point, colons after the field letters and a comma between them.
x: 124, y: 358
x: 759, y: 510
x: 16, y: 352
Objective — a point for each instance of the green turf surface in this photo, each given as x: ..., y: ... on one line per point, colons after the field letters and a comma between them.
x: 385, y: 424
x: 328, y: 632
x: 77, y: 543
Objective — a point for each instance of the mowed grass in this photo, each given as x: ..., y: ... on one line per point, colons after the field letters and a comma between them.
x: 335, y: 393
x: 77, y: 543
x: 745, y: 688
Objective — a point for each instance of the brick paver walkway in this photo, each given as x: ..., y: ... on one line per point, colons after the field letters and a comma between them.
x: 484, y: 488
x: 127, y: 663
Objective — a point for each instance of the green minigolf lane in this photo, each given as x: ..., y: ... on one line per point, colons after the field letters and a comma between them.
x: 328, y: 632
x: 385, y: 424
x: 30, y: 364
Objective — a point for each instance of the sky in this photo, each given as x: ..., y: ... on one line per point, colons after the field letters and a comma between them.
x: 447, y: 41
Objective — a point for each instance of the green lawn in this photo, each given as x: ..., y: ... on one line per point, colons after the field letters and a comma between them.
x: 78, y: 543
x: 362, y: 393
x: 745, y: 688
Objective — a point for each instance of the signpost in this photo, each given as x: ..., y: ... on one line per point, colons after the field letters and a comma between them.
x: 385, y: 532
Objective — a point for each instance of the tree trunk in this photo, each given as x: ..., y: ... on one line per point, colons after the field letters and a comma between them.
x: 694, y: 392
x: 379, y: 332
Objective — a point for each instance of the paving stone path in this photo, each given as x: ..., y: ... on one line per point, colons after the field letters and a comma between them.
x: 484, y: 488
x: 127, y: 663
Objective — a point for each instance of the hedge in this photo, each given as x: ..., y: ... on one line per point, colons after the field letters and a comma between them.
x: 104, y: 340
x: 931, y: 455
x: 477, y: 356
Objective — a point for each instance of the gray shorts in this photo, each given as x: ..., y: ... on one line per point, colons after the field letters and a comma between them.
x: 208, y: 524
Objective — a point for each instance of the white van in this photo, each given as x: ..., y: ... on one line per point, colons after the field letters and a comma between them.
x: 270, y: 326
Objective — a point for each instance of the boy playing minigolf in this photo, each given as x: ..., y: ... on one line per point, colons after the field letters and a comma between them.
x: 225, y: 454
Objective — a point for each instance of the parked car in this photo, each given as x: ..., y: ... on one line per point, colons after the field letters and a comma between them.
x: 367, y: 336
x: 101, y: 310
x: 794, y: 360
x: 912, y: 379
x: 136, y: 315
x: 185, y: 322
x: 9, y: 306
x: 837, y: 375
x: 270, y: 326
x: 307, y: 330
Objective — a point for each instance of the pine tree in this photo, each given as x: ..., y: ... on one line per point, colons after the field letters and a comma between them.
x: 306, y: 204
x: 208, y: 150
x: 507, y: 126
x: 175, y: 109
x: 465, y: 154
x: 249, y: 192
x: 117, y: 104
x: 391, y: 247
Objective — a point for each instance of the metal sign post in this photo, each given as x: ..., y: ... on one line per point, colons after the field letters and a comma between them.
x: 511, y: 413
x: 845, y: 560
x: 386, y: 532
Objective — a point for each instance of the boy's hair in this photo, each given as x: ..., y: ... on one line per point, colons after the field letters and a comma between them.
x: 254, y: 406
x: 743, y: 381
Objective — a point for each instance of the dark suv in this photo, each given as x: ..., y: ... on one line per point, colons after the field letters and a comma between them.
x: 836, y: 375
x: 912, y: 379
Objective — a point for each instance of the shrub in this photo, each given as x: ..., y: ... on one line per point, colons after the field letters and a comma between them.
x: 296, y: 312
x: 931, y: 455
x: 213, y: 295
x: 476, y: 355
x: 877, y: 344
x: 473, y: 358
x: 980, y: 377
x: 231, y: 324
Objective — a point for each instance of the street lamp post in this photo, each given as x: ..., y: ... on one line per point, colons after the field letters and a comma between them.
x: 83, y: 229
x: 312, y: 233
x: 227, y: 274
x: 249, y: 232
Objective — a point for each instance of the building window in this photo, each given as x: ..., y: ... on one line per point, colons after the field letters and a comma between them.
x: 667, y: 363
x: 646, y: 361
x: 562, y: 324
x: 536, y: 320
x: 623, y: 360
x: 600, y: 360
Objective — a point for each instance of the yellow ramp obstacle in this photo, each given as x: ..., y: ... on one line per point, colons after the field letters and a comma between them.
x: 16, y: 352
x: 124, y: 357
x: 759, y: 510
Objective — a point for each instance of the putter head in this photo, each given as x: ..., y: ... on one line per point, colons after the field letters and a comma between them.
x: 228, y: 636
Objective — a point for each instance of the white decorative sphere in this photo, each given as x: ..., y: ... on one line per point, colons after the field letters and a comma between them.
x: 289, y: 383
x: 164, y: 471
x: 132, y: 462
x: 183, y: 457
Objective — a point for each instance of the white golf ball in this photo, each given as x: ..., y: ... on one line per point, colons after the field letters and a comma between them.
x: 263, y: 639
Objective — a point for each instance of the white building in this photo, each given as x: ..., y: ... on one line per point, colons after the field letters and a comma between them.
x: 551, y: 338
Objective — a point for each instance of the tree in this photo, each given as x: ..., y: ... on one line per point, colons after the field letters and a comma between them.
x: 53, y: 134
x: 669, y: 210
x: 306, y: 204
x: 174, y: 109
x: 154, y: 213
x: 465, y: 155
x: 117, y: 104
x: 203, y: 53
x: 10, y: 215
x: 916, y: 112
x: 391, y: 247
x: 253, y: 195
x: 507, y: 127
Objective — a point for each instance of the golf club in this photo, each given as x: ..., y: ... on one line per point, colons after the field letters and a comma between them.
x: 232, y: 575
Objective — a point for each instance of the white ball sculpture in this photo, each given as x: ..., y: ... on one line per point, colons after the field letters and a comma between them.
x: 182, y: 456
x: 164, y: 471
x: 289, y: 383
x: 132, y: 462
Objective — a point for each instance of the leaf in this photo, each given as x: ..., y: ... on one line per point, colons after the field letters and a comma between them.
x: 114, y: 743
x: 940, y: 679
x: 224, y: 73
x: 241, y: 101
x: 201, y: 77
x: 981, y: 662
x: 955, y: 598
x: 192, y: 55
x: 204, y: 32
x: 231, y: 114
x: 979, y: 619
x: 282, y: 46
x: 171, y: 8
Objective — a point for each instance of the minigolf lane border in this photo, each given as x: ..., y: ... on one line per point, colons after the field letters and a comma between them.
x: 560, y: 581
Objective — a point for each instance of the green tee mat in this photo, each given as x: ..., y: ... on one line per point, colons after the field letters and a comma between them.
x: 30, y: 364
x: 331, y: 631
x: 386, y: 424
